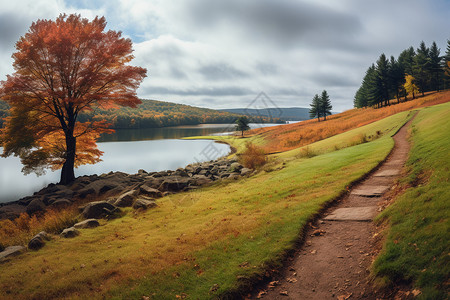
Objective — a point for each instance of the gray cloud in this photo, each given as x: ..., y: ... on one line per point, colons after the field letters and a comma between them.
x: 283, y: 22
x: 221, y: 71
x: 202, y: 91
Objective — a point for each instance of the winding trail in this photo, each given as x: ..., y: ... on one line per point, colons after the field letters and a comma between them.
x: 334, y: 261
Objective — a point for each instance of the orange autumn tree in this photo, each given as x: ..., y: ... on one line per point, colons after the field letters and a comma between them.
x: 62, y: 68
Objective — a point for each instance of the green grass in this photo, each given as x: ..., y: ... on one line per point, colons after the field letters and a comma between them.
x: 417, y: 246
x: 224, y: 234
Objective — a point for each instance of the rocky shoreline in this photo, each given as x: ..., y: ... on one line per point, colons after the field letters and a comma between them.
x: 121, y: 190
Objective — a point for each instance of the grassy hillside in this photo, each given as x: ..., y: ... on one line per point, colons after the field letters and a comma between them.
x: 277, y: 139
x: 202, y: 243
x: 418, y: 240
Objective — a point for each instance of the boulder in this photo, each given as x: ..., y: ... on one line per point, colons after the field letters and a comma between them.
x: 35, y: 205
x: 89, y: 223
x: 69, y: 233
x: 149, y: 191
x: 246, y: 171
x: 175, y: 183
x: 126, y: 199
x: 236, y: 167
x: 61, y: 203
x: 36, y: 243
x: 11, y: 251
x: 200, y: 180
x: 142, y: 203
x: 98, y: 209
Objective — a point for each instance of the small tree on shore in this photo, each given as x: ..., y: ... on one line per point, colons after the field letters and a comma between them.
x: 242, y: 124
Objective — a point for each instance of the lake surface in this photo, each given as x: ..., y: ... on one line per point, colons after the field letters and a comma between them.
x: 154, y: 149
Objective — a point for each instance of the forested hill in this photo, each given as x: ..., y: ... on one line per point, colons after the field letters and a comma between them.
x: 286, y: 114
x: 153, y: 113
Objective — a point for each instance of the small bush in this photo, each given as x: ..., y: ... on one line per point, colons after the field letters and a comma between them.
x: 253, y: 157
x: 306, y: 152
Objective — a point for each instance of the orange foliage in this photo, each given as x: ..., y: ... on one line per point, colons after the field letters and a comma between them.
x: 287, y: 137
x: 63, y: 68
x: 22, y: 229
x: 253, y: 156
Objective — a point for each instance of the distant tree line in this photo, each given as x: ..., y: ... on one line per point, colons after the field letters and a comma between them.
x: 414, y: 71
x: 320, y: 106
x: 155, y: 114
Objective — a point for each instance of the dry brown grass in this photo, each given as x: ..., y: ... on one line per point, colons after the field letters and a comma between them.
x: 253, y: 157
x: 288, y: 137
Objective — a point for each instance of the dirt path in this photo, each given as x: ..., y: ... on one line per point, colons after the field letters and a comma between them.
x: 334, y: 261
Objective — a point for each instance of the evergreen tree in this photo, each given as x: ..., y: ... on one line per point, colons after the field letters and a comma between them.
x: 421, y: 68
x: 406, y: 61
x: 383, y: 80
x: 446, y: 66
x: 314, y: 111
x: 242, y: 124
x: 396, y: 78
x: 325, y: 105
x: 435, y: 66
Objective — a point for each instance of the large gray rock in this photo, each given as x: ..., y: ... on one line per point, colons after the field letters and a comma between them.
x: 246, y: 171
x: 35, y: 205
x: 236, y: 167
x: 126, y: 199
x: 200, y: 180
x: 175, y: 183
x: 61, y: 203
x: 143, y: 203
x: 38, y: 241
x: 11, y: 251
x: 98, y: 209
x: 89, y: 223
x: 70, y: 233
x: 149, y: 191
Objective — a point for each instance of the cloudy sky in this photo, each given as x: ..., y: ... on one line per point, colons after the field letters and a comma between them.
x: 222, y: 54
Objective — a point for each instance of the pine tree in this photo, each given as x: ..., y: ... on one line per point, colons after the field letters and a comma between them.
x: 325, y: 105
x: 396, y: 78
x: 314, y: 111
x: 435, y: 66
x: 383, y: 80
x: 446, y: 66
x: 406, y: 61
x: 421, y: 68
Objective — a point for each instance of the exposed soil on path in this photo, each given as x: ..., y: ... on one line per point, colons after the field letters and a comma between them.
x: 334, y: 261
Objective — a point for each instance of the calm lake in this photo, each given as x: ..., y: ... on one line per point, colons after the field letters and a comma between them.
x: 127, y: 150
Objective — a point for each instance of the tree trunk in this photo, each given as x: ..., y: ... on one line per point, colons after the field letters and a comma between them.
x: 67, y: 172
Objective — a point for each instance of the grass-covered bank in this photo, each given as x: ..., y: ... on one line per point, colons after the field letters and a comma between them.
x: 202, y: 243
x: 417, y: 246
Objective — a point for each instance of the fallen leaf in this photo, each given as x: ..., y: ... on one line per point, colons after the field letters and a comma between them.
x: 416, y: 292
x: 344, y: 297
x: 291, y: 280
x: 313, y: 251
x: 273, y: 284
x: 284, y: 293
x: 260, y: 294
